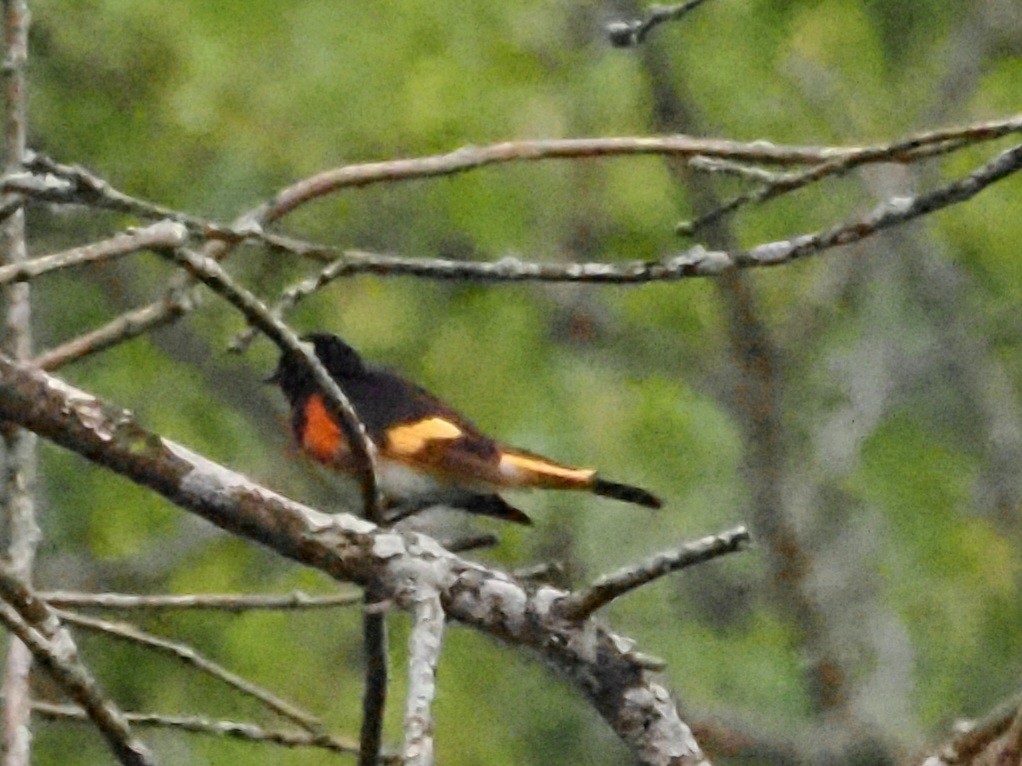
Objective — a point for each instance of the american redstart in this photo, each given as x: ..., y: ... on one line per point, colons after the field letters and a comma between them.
x: 428, y: 454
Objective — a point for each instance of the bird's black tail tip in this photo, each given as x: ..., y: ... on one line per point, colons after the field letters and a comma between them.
x: 626, y: 493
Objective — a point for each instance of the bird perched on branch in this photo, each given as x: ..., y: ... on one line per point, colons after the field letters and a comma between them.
x: 428, y: 454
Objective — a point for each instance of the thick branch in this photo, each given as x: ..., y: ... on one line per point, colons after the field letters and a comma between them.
x: 597, y: 662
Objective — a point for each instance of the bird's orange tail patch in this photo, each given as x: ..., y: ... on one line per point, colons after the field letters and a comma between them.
x: 524, y: 470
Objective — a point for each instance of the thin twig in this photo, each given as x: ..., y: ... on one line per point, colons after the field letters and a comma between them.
x: 581, y: 604
x: 38, y: 628
x: 163, y: 234
x: 190, y: 656
x: 423, y: 655
x: 627, y: 34
x: 777, y: 184
x: 894, y: 211
x: 743, y: 170
x: 175, y: 303
x: 224, y: 602
x: 248, y: 732
x: 210, y: 273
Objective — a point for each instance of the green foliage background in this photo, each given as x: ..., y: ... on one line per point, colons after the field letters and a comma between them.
x: 898, y: 365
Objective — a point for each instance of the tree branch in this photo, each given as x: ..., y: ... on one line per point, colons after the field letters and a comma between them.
x: 39, y: 630
x: 581, y: 604
x: 374, y: 695
x: 470, y: 158
x: 160, y: 235
x: 595, y: 660
x: 230, y: 602
x: 190, y: 656
x: 977, y: 737
x: 892, y: 212
x: 423, y: 655
x: 627, y: 34
x: 19, y: 459
x: 247, y: 732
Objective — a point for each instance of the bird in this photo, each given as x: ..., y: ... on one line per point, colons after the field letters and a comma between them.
x: 428, y: 454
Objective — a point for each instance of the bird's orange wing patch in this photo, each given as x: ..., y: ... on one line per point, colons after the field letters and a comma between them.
x: 321, y: 436
x: 524, y: 470
x: 413, y: 439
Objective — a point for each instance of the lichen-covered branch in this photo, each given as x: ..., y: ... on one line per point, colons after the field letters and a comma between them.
x: 423, y: 655
x: 598, y: 662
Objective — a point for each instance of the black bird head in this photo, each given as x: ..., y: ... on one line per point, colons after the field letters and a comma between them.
x: 340, y: 359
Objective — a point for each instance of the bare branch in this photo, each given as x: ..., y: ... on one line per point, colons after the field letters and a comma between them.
x: 80, y: 187
x: 777, y: 184
x: 895, y: 211
x: 581, y: 604
x: 19, y: 454
x: 423, y: 655
x: 694, y: 262
x: 248, y: 227
x: 627, y: 34
x: 247, y: 732
x: 38, y: 628
x: 374, y: 695
x: 191, y: 657
x: 474, y: 157
x: 227, y: 602
x: 160, y: 235
x: 600, y: 665
x: 176, y: 302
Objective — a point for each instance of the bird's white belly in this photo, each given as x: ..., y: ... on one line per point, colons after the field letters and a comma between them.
x: 401, y: 483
